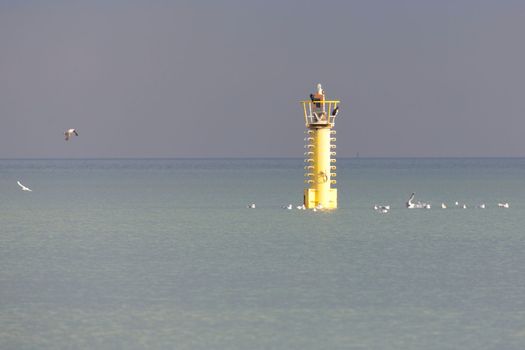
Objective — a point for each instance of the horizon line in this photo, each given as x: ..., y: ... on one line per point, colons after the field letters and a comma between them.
x: 260, y: 157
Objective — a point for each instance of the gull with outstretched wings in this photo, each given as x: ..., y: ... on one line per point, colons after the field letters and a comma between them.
x: 24, y: 188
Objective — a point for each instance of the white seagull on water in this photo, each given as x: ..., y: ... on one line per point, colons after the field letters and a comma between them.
x: 410, y: 204
x: 69, y: 133
x: 23, y: 187
x: 383, y: 209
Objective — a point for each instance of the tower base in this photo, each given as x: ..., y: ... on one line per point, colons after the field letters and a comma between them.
x: 311, y: 199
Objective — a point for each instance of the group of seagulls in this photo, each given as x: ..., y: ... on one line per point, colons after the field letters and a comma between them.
x: 383, y: 209
x: 289, y: 207
x: 69, y: 133
x: 411, y: 204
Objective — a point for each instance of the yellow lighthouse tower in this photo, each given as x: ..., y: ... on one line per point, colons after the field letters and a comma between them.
x: 319, y: 117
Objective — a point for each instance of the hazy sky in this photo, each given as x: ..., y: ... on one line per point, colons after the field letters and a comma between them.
x: 224, y: 78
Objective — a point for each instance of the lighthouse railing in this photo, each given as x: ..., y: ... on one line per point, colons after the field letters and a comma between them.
x: 319, y: 113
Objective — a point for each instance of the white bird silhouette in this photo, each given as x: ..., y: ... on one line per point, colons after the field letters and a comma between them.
x: 503, y: 205
x: 69, y: 133
x: 410, y: 204
x: 251, y: 206
x: 443, y: 206
x: 23, y: 187
x: 320, y: 90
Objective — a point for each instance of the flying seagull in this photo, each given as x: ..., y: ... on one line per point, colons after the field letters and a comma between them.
x: 69, y: 133
x: 23, y: 187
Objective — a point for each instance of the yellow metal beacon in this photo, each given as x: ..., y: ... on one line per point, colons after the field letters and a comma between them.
x: 319, y: 117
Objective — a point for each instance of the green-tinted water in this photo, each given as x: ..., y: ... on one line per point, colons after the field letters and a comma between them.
x: 163, y: 254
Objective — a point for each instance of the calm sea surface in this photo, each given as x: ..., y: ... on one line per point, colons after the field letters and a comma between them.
x: 164, y: 254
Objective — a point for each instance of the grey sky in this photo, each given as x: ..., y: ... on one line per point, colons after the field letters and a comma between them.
x: 224, y: 78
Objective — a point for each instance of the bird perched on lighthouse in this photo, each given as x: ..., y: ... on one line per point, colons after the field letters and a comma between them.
x: 69, y: 133
x: 320, y: 90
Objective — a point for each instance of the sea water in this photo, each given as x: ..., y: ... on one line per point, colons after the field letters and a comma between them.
x: 164, y: 254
